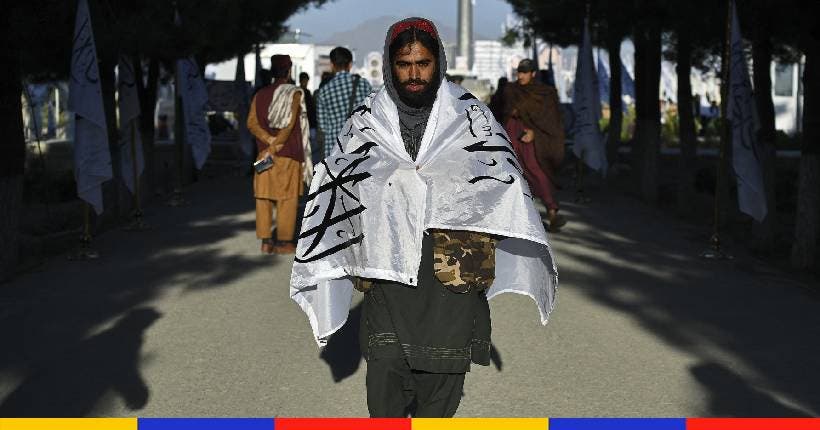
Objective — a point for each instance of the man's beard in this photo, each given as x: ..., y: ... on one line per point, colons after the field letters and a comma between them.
x: 416, y: 99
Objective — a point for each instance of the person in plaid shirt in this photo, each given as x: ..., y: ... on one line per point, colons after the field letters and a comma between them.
x: 333, y: 100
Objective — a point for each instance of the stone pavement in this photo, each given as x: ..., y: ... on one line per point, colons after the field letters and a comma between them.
x: 188, y: 319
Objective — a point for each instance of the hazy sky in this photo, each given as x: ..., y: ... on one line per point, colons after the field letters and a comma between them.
x: 340, y: 15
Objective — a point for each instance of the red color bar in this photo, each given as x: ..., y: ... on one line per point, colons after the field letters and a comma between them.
x: 342, y: 424
x: 753, y: 424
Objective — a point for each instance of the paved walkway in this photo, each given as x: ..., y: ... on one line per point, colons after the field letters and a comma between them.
x: 188, y: 319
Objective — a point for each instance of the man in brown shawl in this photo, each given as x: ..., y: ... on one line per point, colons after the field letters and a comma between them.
x: 281, y: 183
x: 533, y: 121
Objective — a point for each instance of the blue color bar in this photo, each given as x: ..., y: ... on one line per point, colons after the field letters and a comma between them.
x: 205, y: 424
x: 617, y: 424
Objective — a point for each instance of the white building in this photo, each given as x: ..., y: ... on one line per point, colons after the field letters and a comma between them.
x: 372, y: 69
x: 493, y: 60
x: 787, y: 95
x: 306, y: 57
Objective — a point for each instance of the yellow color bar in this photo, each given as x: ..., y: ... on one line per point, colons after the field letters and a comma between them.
x: 479, y: 423
x: 68, y: 424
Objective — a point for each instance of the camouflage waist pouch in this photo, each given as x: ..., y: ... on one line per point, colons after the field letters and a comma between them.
x: 463, y: 260
x: 362, y: 284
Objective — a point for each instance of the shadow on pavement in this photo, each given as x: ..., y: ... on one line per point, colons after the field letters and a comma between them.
x: 495, y: 358
x: 731, y: 395
x: 342, y: 352
x: 640, y: 262
x: 70, y: 385
x: 46, y: 317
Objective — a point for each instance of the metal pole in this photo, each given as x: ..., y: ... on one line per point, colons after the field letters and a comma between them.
x: 84, y: 251
x: 178, y: 199
x: 715, y: 252
x: 85, y: 239
x: 134, y: 167
x: 39, y: 151
x: 138, y: 224
x: 579, y: 166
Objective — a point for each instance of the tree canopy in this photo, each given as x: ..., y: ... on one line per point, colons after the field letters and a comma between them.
x: 211, y: 30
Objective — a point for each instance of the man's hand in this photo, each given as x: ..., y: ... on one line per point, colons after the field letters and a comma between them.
x: 274, y: 147
x: 528, y: 136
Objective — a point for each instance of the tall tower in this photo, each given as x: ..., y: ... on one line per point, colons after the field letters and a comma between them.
x: 465, y: 35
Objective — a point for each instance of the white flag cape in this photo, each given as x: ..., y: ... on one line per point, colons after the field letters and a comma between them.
x: 130, y: 138
x: 587, y: 140
x: 370, y: 204
x: 194, y: 100
x: 742, y: 115
x: 92, y: 158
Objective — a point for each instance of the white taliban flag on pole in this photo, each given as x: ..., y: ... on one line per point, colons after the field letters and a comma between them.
x: 194, y: 101
x: 130, y: 139
x: 742, y: 115
x: 92, y: 158
x: 588, y: 143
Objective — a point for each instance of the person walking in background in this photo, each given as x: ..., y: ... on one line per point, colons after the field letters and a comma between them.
x: 497, y: 101
x: 315, y: 145
x: 533, y: 121
x: 326, y: 77
x: 278, y: 120
x: 339, y: 96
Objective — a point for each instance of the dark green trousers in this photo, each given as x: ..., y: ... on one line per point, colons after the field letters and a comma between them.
x: 394, y: 391
x: 419, y: 342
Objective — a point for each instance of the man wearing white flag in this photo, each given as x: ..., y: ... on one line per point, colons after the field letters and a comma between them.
x: 742, y: 115
x: 588, y: 143
x: 130, y: 139
x: 422, y: 206
x: 92, y: 158
x: 194, y: 97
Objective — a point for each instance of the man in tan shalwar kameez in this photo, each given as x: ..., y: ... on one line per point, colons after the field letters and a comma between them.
x: 281, y: 183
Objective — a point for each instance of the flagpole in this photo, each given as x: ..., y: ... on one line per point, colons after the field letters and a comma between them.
x: 579, y: 166
x: 84, y: 251
x: 39, y: 151
x: 714, y: 252
x: 138, y: 224
x: 178, y: 199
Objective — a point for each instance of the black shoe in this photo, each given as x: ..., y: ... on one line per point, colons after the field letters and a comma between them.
x: 556, y: 222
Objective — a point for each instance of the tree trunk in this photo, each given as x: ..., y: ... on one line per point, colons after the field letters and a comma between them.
x: 686, y: 122
x: 12, y: 157
x: 615, y: 105
x: 764, y: 232
x: 648, y: 125
x: 804, y: 248
x: 147, y: 90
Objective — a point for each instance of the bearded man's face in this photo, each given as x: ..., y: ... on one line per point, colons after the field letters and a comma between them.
x: 414, y: 71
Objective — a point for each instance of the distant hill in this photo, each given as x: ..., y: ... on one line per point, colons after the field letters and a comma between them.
x: 369, y: 36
